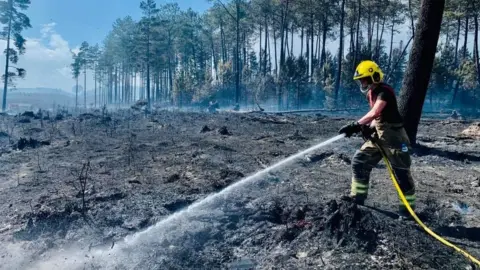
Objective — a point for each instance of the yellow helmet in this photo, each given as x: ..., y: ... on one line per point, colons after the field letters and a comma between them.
x: 368, y: 69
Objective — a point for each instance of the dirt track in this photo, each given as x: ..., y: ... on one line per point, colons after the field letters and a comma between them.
x: 144, y: 169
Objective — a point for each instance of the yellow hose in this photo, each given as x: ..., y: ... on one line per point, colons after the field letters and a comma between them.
x: 410, y: 210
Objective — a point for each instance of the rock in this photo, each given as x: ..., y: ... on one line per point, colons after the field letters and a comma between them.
x: 134, y: 182
x: 224, y: 131
x: 318, y: 157
x: 172, y: 178
x: 139, y: 105
x: 59, y: 117
x: 86, y: 116
x: 177, y: 205
x: 29, y: 114
x: 32, y: 143
x: 472, y: 131
x: 135, y: 223
x: 456, y: 189
x: 301, y: 255
x: 6, y: 228
x: 24, y: 120
x: 205, y: 129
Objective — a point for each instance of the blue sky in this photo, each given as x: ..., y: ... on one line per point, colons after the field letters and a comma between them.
x: 90, y: 20
x: 60, y: 26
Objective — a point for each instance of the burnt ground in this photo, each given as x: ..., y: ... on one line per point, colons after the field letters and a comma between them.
x: 72, y: 188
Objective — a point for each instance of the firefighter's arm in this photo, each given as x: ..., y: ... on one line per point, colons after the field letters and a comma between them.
x: 373, y: 113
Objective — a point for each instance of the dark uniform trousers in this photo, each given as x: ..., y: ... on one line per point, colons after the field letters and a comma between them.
x: 391, y: 137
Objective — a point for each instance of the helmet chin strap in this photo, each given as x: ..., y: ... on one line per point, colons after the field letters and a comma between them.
x: 366, y: 89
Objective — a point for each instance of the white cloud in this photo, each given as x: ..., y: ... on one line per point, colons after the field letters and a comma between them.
x: 47, y: 60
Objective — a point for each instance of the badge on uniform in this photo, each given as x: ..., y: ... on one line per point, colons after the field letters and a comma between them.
x: 404, y: 148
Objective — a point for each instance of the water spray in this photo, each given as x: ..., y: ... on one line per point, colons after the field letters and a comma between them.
x: 122, y: 253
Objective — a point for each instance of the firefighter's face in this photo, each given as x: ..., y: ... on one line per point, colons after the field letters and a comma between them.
x: 364, y: 83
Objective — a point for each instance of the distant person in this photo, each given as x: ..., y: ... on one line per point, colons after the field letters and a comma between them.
x: 213, y: 106
x: 385, y: 121
x: 237, y: 107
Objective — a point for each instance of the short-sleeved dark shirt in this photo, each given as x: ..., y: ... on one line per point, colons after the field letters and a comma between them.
x: 390, y: 113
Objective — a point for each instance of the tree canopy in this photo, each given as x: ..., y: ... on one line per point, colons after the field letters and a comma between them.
x: 279, y: 53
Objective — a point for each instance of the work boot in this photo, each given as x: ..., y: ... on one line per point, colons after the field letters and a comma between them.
x: 354, y: 199
x: 404, y: 214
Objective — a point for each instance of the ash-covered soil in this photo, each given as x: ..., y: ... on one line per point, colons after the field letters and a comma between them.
x: 72, y: 188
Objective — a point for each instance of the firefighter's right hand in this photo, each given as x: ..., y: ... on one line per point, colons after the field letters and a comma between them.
x: 350, y: 129
x: 368, y: 132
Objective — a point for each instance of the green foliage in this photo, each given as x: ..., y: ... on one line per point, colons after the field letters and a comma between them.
x: 191, y: 56
x: 468, y: 75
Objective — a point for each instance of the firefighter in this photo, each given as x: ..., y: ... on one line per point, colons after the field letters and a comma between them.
x: 385, y: 123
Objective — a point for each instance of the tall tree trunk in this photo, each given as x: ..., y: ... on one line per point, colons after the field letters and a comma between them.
x: 170, y: 78
x: 291, y: 41
x: 215, y: 68
x: 287, y: 46
x: 135, y: 86
x: 7, y: 55
x: 269, y: 54
x: 375, y: 55
x: 369, y: 37
x: 85, y: 87
x: 149, y: 101
x: 381, y: 39
x: 260, y: 54
x: 391, y: 48
x: 352, y: 42
x: 110, y: 85
x: 244, y: 48
x: 457, y: 40
x: 317, y: 45
x: 312, y: 39
x: 475, y: 47
x: 275, y: 51
x: 324, y: 42
x: 464, y: 56
x: 237, y: 56
x: 95, y: 84
x: 76, y: 93
x: 266, y: 45
x: 301, y: 41
x: 222, y: 41
x: 307, y: 43
x: 357, y: 35
x: 283, y: 29
x: 410, y: 11
x: 420, y: 63
x: 116, y: 84
x: 340, y: 54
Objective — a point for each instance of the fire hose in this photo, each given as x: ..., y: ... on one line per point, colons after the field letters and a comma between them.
x: 412, y: 213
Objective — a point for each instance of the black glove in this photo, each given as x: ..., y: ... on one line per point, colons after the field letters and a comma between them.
x: 350, y: 129
x: 368, y: 131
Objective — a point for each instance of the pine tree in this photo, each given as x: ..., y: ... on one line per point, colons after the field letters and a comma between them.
x: 76, y: 66
x: 14, y: 23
